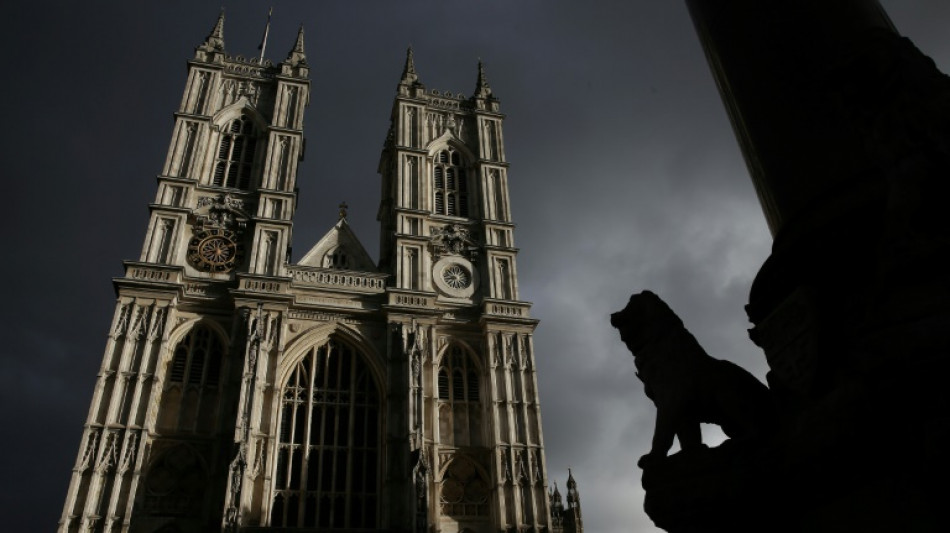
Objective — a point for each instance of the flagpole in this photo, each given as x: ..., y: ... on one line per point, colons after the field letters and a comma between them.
x: 263, y: 45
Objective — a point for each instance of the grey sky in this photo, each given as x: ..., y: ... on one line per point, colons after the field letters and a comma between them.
x: 624, y: 176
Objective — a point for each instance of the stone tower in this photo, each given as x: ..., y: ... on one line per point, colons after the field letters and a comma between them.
x: 566, y: 519
x: 241, y: 392
x: 467, y: 374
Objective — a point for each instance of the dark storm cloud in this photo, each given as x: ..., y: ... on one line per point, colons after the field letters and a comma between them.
x: 624, y: 176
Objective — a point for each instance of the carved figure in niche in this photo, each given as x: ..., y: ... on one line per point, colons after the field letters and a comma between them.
x: 686, y: 384
x: 453, y: 239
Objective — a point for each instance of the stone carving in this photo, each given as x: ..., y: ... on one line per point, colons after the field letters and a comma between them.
x: 221, y: 211
x: 128, y: 457
x: 109, y: 454
x: 520, y: 467
x: 90, y: 451
x: 140, y: 322
x: 464, y: 489
x: 453, y: 239
x: 236, y: 470
x: 506, y: 466
x: 420, y: 478
x: 686, y: 384
x: 158, y: 323
x: 123, y: 321
x: 259, y: 458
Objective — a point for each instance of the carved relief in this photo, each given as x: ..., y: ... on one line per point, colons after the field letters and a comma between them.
x: 128, y: 457
x: 140, y: 323
x: 109, y: 454
x: 463, y: 490
x: 536, y: 466
x: 505, y: 465
x: 217, y: 227
x: 90, y: 450
x: 453, y: 239
x: 158, y: 323
x: 258, y: 465
x: 420, y: 476
x: 520, y: 468
x: 123, y: 322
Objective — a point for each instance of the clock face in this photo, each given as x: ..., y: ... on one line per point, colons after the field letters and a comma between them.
x: 456, y: 276
x: 214, y: 250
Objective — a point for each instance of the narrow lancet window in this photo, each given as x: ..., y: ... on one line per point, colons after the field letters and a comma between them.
x: 235, y: 156
x: 190, y: 399
x: 458, y: 394
x: 450, y: 184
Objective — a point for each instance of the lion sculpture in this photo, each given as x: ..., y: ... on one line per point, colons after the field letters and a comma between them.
x: 686, y: 384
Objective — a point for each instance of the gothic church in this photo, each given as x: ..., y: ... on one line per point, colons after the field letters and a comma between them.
x: 241, y: 392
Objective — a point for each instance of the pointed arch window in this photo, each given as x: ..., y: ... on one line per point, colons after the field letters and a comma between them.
x: 459, y: 399
x: 464, y: 489
x: 235, y: 156
x: 192, y: 384
x: 327, y: 471
x: 450, y: 184
x: 337, y: 258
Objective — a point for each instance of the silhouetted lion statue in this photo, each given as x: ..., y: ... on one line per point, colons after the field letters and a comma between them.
x: 686, y: 384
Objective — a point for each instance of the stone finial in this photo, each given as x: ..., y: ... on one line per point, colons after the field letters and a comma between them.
x: 409, y: 71
x: 215, y: 40
x: 482, y: 89
x: 297, y: 56
x: 409, y: 77
x: 343, y: 207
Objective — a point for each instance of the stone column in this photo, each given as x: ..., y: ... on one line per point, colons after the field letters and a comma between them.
x: 777, y: 67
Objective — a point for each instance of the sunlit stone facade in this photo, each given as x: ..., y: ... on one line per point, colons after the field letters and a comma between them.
x: 241, y: 392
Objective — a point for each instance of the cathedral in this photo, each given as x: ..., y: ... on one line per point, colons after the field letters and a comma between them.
x: 240, y: 391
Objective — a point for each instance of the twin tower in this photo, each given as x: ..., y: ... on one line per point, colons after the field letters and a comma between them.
x: 242, y: 392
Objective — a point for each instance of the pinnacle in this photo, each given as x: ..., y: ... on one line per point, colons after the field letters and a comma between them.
x: 482, y: 89
x: 297, y: 55
x: 215, y: 40
x: 298, y: 46
x: 409, y: 76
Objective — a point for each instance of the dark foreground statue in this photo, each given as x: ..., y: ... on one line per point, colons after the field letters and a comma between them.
x: 845, y: 127
x: 687, y: 385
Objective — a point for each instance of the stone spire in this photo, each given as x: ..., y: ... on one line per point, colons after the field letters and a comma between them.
x: 297, y: 56
x: 215, y: 40
x: 409, y: 77
x: 556, y: 502
x: 557, y: 508
x: 409, y: 71
x: 482, y: 89
x: 573, y: 497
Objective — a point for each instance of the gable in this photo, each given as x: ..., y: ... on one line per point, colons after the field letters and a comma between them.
x: 339, y: 249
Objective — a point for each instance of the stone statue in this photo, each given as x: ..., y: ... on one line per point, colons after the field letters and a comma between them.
x: 686, y: 384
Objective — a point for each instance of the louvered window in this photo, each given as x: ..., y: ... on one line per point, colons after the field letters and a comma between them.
x: 450, y: 184
x: 190, y: 399
x: 235, y: 157
x: 443, y: 385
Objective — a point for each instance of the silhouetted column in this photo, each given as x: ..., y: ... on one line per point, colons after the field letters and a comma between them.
x: 778, y: 67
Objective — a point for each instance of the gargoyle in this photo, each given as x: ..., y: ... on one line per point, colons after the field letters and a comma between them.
x: 687, y: 385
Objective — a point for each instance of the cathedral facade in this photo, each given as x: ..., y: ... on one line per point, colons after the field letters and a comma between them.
x: 242, y: 392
